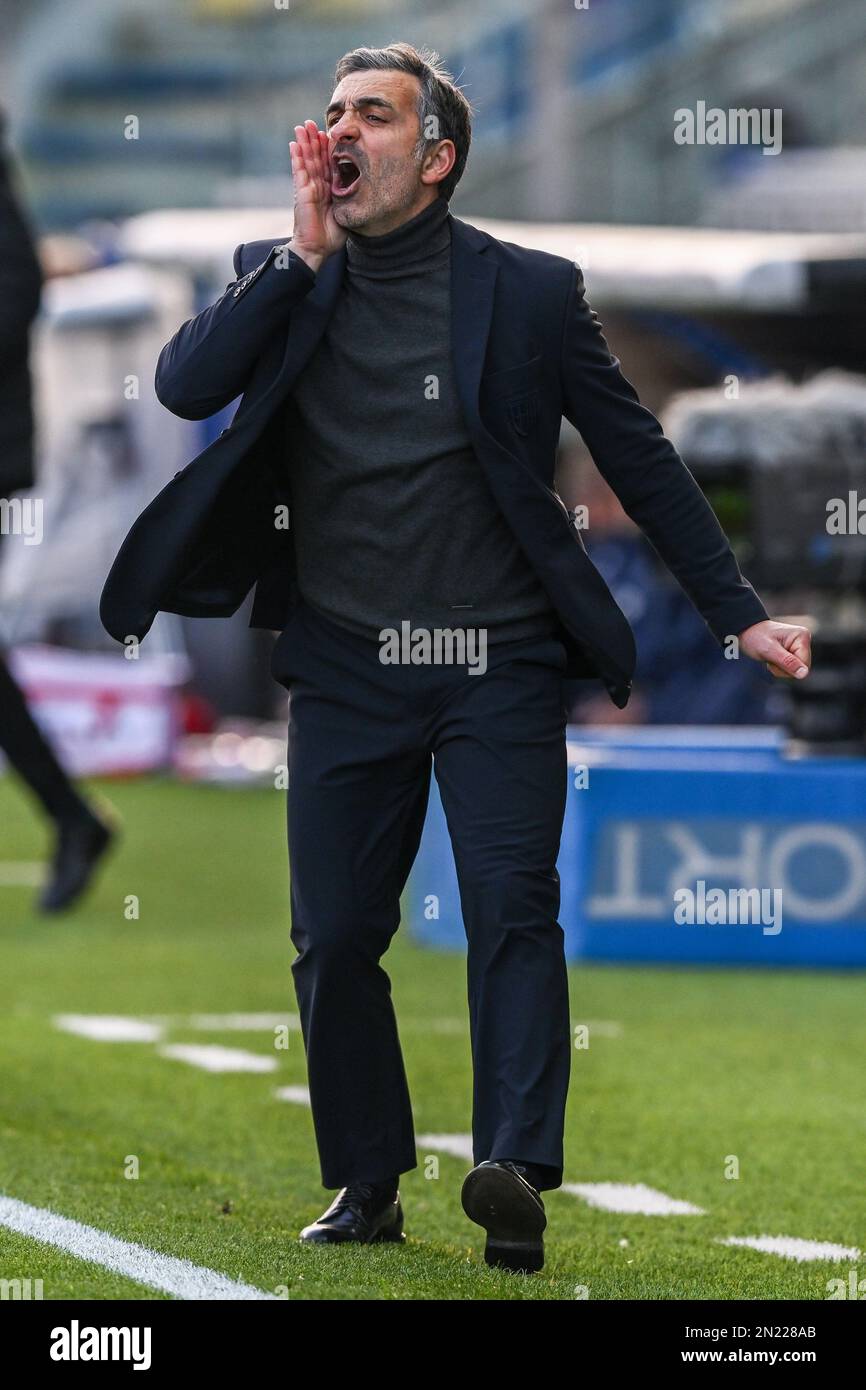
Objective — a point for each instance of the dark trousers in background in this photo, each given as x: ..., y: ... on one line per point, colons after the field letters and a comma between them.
x: 31, y: 756
x: 29, y: 753
x: 362, y: 739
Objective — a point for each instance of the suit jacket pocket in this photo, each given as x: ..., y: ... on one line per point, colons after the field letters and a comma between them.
x: 509, y: 381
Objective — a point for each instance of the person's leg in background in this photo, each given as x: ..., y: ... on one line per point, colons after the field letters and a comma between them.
x: 81, y: 836
x: 500, y: 763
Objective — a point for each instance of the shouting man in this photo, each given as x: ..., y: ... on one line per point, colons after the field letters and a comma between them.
x: 404, y: 377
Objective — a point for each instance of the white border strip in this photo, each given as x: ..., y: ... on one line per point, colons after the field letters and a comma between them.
x: 180, y: 1278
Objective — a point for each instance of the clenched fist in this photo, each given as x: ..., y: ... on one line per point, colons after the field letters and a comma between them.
x: 785, y: 649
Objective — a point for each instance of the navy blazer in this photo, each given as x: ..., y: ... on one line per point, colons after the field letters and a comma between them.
x: 527, y: 349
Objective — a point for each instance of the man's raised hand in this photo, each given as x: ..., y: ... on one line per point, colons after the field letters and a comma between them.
x: 316, y: 234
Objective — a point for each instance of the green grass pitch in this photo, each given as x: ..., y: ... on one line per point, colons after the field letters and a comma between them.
x: 764, y: 1066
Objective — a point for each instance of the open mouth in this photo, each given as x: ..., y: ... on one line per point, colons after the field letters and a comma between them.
x: 346, y: 176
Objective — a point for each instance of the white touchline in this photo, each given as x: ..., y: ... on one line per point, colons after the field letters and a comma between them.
x: 108, y: 1028
x: 633, y: 1197
x: 180, y: 1278
x: 793, y: 1248
x: 214, y: 1058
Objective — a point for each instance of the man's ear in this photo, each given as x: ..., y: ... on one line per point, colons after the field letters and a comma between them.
x: 439, y: 168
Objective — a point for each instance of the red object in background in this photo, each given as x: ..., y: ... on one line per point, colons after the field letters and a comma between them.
x: 197, y: 715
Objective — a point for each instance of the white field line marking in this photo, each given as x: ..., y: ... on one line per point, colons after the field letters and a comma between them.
x: 449, y: 1026
x: 206, y: 1023
x: 601, y: 1027
x: 609, y: 1196
x: 178, y: 1277
x: 108, y: 1028
x: 295, y: 1095
x: 213, y: 1058
x: 268, y: 1022
x: 239, y: 1023
x: 633, y: 1197
x: 793, y: 1248
x: 21, y: 874
x: 458, y: 1145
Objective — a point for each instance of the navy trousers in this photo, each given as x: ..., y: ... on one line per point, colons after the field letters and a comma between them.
x: 362, y: 738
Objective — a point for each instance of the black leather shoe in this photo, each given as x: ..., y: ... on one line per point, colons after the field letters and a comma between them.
x: 79, y: 848
x: 361, y: 1212
x: 498, y: 1197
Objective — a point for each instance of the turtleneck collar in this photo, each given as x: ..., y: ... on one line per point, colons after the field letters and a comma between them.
x: 408, y: 248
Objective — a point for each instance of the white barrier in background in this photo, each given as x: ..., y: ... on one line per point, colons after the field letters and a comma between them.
x: 104, y: 714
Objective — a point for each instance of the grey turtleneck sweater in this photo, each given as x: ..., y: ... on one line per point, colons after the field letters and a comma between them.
x: 391, y: 513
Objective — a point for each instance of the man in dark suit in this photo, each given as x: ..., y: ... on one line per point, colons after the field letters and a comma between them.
x: 404, y: 377
x: 81, y: 836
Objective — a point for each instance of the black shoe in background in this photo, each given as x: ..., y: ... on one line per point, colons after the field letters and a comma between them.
x: 364, y: 1212
x: 81, y: 843
x: 498, y: 1196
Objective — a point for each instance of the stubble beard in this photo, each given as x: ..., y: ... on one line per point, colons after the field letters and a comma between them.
x: 393, y: 192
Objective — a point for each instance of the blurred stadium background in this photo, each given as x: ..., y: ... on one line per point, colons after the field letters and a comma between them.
x: 149, y: 139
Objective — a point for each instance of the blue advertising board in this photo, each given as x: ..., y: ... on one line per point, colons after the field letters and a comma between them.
x: 690, y: 845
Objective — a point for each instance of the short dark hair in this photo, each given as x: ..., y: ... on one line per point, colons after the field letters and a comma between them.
x: 440, y: 98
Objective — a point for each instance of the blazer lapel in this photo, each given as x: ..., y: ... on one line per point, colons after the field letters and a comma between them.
x: 473, y: 281
x: 308, y: 323
x: 311, y: 315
